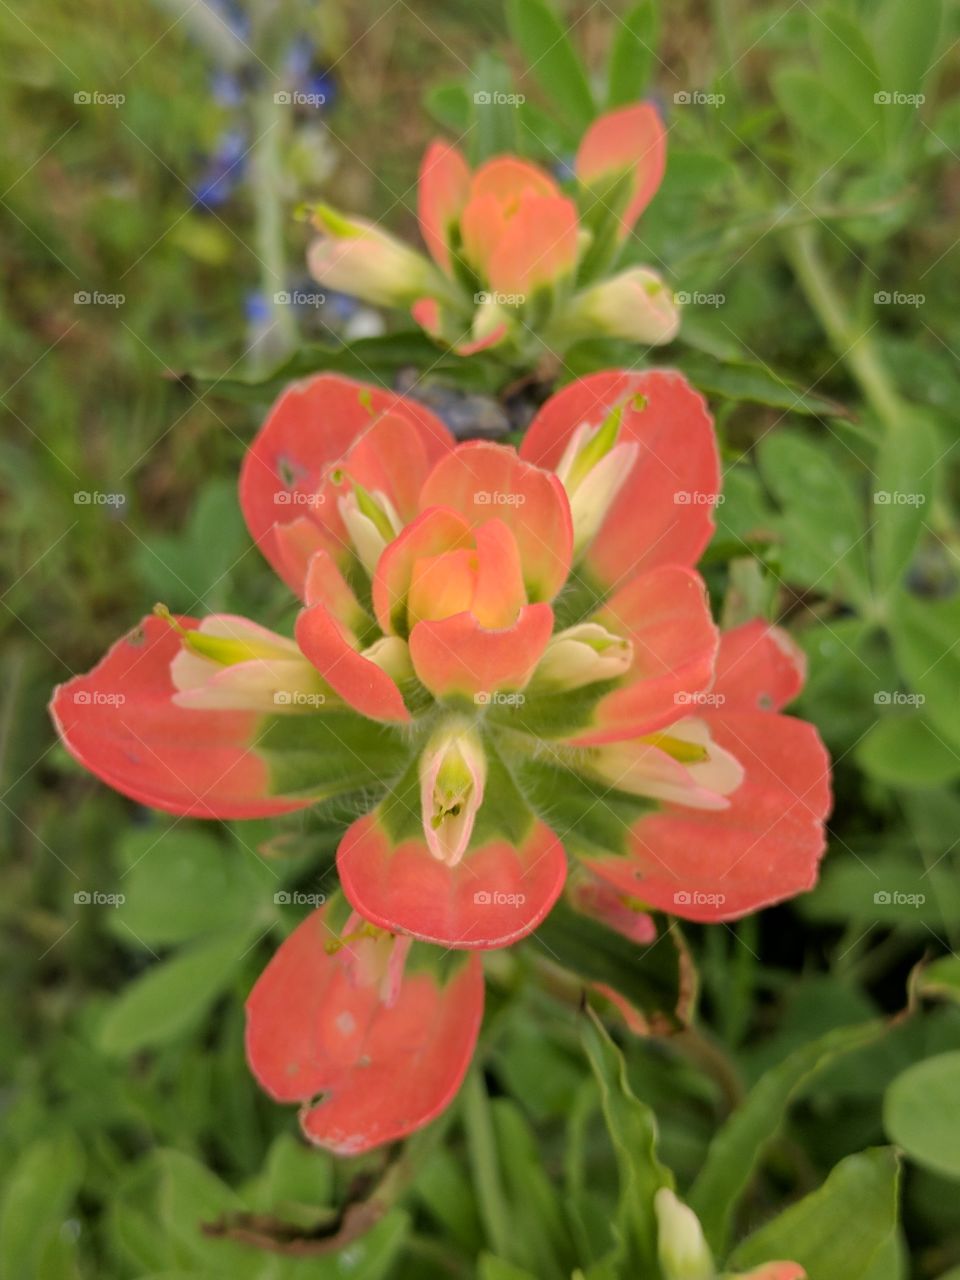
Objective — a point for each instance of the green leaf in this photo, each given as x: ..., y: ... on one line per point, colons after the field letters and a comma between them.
x: 446, y: 1193
x: 850, y: 663
x: 184, y: 882
x: 738, y: 1148
x: 756, y: 384
x: 907, y: 43
x: 632, y: 55
x: 651, y: 980
x: 39, y: 1189
x: 369, y: 359
x: 541, y: 1237
x: 535, y: 1069
x: 189, y: 1196
x: 815, y: 113
x: 137, y: 1236
x: 886, y: 889
x: 822, y: 518
x: 879, y: 205
x: 902, y: 493
x: 925, y: 641
x: 849, y: 68
x: 172, y: 996
x: 189, y: 571
x: 941, y: 978
x: 837, y: 1230
x: 494, y: 111
x: 491, y: 1268
x: 544, y: 134
x: 551, y: 59
x: 298, y: 1181
x: 633, y: 1132
x: 450, y: 106
x: 905, y: 751
x: 921, y: 1113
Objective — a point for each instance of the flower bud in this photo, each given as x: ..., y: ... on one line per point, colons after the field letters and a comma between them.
x: 635, y: 305
x: 681, y: 1246
x: 582, y: 655
x: 392, y: 655
x: 229, y: 663
x: 371, y: 522
x: 354, y: 256
x: 681, y: 765
x: 594, y: 467
x: 453, y: 772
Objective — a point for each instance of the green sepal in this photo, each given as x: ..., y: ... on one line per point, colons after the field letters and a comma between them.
x: 553, y: 713
x: 504, y: 813
x: 332, y: 752
x: 594, y: 817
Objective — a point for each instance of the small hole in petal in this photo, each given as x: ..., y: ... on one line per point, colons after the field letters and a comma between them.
x: 288, y: 471
x: 346, y: 1023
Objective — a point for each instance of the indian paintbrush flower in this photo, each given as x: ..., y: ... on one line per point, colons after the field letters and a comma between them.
x: 517, y: 263
x: 503, y: 659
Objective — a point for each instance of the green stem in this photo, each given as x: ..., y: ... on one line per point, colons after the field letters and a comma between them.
x: 713, y: 1060
x: 851, y: 343
x: 208, y: 30
x: 483, y: 1163
x: 271, y: 124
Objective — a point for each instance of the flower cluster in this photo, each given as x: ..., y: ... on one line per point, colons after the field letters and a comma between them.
x: 516, y: 263
x: 506, y: 660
